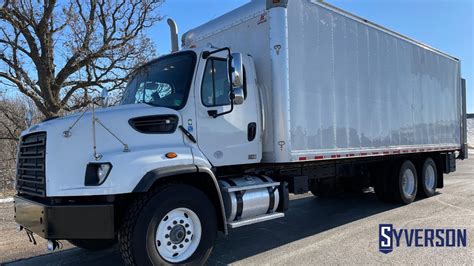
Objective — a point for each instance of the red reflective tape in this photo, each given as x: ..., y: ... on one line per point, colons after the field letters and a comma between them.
x: 319, y: 157
x: 396, y: 152
x: 375, y: 153
x: 363, y: 154
x: 334, y: 156
x: 386, y: 152
x: 422, y: 150
x: 303, y: 158
x: 413, y: 150
x: 350, y: 155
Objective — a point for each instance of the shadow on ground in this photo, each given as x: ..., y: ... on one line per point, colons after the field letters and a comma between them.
x: 307, y: 216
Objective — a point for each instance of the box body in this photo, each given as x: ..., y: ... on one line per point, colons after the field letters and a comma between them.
x: 351, y: 88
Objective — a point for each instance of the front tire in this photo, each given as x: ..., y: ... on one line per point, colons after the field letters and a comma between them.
x: 175, y: 225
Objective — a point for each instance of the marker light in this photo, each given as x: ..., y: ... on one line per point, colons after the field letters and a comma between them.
x: 171, y: 155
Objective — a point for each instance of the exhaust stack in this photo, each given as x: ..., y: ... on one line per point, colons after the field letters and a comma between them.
x: 174, y: 35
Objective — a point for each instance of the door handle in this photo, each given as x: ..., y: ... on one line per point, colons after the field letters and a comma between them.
x: 251, y: 131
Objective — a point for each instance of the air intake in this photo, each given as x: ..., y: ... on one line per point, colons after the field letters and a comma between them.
x: 156, y: 124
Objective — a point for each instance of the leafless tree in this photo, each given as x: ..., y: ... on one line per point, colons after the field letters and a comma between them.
x: 12, y: 122
x: 58, y: 52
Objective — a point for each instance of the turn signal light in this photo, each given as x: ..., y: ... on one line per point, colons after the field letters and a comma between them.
x: 171, y: 155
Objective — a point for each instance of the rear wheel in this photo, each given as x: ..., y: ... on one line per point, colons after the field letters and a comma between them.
x: 428, y: 179
x: 404, y: 185
x: 176, y: 225
x: 93, y: 244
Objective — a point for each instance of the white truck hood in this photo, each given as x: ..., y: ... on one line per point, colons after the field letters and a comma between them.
x: 67, y: 157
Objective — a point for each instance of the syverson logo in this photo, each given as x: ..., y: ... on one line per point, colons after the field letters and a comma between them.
x: 441, y: 237
x: 385, y: 238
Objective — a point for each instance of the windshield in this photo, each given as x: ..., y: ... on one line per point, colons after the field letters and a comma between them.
x: 164, y: 82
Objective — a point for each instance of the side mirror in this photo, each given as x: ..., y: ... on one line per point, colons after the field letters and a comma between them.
x: 104, y: 98
x: 236, y: 72
x: 238, y: 96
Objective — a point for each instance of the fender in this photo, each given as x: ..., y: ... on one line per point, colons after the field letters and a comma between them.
x: 154, y: 175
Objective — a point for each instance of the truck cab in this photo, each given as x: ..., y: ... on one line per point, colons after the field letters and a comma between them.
x: 181, y: 116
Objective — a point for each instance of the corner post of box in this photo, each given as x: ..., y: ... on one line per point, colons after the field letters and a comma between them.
x: 278, y: 22
x: 464, y: 145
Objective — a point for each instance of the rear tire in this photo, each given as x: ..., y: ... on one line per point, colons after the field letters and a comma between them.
x: 175, y: 225
x: 428, y: 179
x: 93, y: 244
x: 404, y: 184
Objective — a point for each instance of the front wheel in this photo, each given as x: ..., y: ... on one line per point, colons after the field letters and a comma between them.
x: 175, y: 225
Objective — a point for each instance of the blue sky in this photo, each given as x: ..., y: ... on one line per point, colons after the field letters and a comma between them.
x: 443, y: 24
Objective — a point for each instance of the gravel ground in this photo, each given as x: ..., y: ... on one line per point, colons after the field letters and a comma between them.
x: 342, y: 230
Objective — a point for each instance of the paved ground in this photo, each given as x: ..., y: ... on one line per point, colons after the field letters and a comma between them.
x: 315, y: 231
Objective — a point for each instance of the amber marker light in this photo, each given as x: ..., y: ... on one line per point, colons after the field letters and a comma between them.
x: 171, y: 155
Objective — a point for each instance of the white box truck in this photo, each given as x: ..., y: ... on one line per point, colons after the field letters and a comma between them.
x: 273, y: 98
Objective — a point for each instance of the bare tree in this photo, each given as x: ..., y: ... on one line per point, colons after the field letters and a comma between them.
x: 12, y: 122
x: 58, y: 53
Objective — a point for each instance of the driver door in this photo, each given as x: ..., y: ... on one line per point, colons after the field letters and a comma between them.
x: 233, y: 138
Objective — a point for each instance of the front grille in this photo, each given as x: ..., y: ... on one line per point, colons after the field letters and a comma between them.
x: 30, y: 175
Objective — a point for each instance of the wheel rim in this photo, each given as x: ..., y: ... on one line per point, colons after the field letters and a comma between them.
x: 178, y: 235
x: 429, y: 177
x: 408, y: 183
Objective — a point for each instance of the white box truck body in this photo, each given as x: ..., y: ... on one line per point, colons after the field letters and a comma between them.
x: 273, y: 98
x: 335, y: 85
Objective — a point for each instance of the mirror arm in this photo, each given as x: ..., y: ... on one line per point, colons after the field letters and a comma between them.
x: 206, y: 54
x: 214, y: 114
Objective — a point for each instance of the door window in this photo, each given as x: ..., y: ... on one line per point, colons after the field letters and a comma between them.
x: 215, y: 84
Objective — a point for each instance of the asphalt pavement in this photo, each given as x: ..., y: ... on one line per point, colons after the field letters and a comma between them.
x: 341, y: 230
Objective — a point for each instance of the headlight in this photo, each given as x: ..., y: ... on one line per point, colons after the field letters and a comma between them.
x: 102, y: 172
x: 97, y: 173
